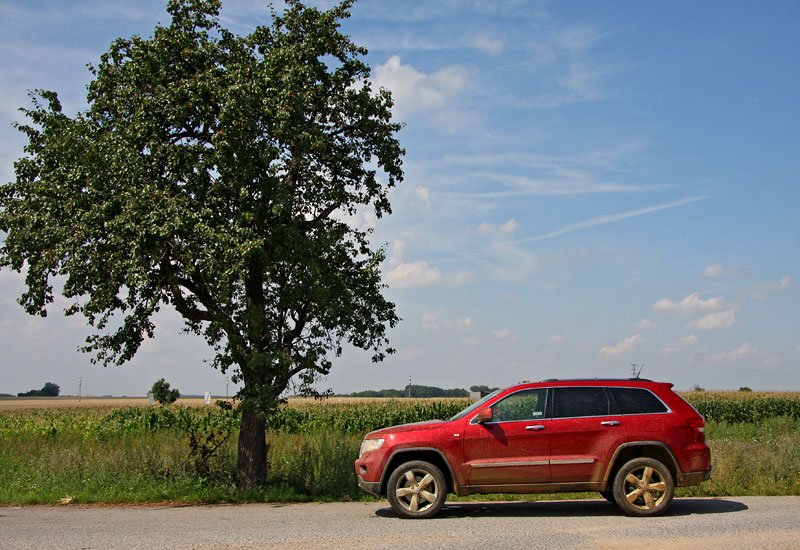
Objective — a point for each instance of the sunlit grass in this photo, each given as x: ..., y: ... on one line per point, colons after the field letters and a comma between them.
x: 142, y: 455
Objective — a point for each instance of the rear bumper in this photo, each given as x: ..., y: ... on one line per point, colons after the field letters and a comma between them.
x: 695, y: 478
x: 372, y: 487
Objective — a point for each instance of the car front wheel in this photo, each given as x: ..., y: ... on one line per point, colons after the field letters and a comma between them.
x: 416, y: 489
x: 643, y: 487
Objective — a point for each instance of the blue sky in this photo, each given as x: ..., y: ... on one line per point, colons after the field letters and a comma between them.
x: 587, y: 185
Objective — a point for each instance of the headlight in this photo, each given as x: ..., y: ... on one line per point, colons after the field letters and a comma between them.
x: 370, y: 445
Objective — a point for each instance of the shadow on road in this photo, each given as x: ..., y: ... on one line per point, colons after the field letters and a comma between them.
x: 570, y: 508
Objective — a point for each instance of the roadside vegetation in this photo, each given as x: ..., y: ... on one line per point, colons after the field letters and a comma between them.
x: 188, y: 454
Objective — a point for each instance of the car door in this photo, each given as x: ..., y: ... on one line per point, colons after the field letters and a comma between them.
x: 584, y: 433
x: 514, y: 447
x: 643, y: 412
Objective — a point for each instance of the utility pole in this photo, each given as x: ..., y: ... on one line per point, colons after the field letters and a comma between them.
x: 80, y: 383
x: 409, y: 387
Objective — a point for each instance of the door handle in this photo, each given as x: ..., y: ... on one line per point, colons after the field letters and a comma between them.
x: 610, y: 423
x: 535, y: 427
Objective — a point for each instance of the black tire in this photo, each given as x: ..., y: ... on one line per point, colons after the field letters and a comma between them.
x: 643, y: 487
x: 609, y: 496
x: 416, y: 490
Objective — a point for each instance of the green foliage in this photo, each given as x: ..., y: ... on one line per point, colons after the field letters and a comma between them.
x: 359, y: 418
x: 356, y: 418
x: 416, y: 391
x: 146, y: 454
x: 745, y: 408
x: 485, y: 390
x: 48, y: 390
x: 207, y: 435
x: 211, y: 173
x: 319, y: 464
x: 163, y: 394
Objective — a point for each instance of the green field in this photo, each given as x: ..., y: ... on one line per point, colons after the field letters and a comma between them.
x: 156, y: 454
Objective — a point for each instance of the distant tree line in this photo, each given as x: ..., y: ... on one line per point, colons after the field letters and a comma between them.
x: 48, y: 390
x: 421, y: 391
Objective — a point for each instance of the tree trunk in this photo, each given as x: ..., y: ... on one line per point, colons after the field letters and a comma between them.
x: 251, y: 465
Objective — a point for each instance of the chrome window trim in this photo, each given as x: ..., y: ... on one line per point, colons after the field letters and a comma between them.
x: 544, y: 416
x: 648, y: 390
x: 668, y: 411
x: 473, y: 420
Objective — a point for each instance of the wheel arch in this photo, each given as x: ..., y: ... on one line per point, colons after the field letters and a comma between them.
x: 657, y: 450
x: 428, y: 454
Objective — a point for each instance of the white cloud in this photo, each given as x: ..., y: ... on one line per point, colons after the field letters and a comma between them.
x: 689, y: 305
x: 362, y: 219
x: 423, y: 194
x: 420, y: 273
x: 645, y: 324
x: 679, y: 344
x: 558, y: 181
x: 622, y: 346
x: 556, y: 339
x: 407, y: 274
x: 430, y: 320
x: 713, y: 271
x: 417, y: 92
x: 578, y: 38
x: 492, y: 46
x: 509, y: 227
x: 720, y: 319
x: 410, y: 274
x: 503, y: 334
x: 779, y: 286
x: 742, y: 352
x: 509, y: 262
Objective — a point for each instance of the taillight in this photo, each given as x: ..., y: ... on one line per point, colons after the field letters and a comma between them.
x: 699, y: 426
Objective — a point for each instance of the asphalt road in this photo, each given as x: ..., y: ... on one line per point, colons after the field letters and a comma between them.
x: 730, y: 523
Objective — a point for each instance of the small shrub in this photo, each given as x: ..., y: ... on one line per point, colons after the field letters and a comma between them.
x: 163, y: 394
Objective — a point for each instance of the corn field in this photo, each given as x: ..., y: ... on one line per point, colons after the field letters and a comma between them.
x: 355, y: 418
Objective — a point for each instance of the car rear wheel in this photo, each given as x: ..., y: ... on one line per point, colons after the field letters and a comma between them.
x: 643, y: 487
x: 416, y: 489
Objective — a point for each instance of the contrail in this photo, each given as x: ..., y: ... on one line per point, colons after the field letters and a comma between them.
x: 611, y: 218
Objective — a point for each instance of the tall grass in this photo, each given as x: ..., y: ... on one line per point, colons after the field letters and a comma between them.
x: 136, y: 454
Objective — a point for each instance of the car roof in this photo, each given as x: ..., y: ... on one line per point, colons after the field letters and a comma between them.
x: 637, y: 379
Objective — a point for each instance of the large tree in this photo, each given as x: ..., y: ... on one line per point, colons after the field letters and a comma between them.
x: 213, y: 173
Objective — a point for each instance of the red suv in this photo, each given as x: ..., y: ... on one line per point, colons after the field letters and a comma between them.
x: 632, y: 440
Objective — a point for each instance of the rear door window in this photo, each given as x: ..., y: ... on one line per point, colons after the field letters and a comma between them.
x: 637, y: 401
x: 577, y: 402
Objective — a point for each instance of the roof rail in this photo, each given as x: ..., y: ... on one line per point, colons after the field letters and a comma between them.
x: 598, y: 379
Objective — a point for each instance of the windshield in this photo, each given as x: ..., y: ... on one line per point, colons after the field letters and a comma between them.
x: 475, y: 405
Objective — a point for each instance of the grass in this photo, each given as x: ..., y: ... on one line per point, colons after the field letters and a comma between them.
x: 157, y: 467
x: 123, y: 456
x: 752, y: 459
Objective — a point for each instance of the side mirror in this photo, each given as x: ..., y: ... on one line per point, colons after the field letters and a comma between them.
x: 484, y: 415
